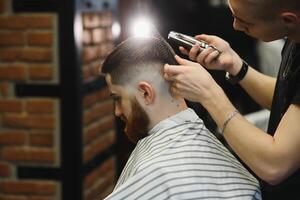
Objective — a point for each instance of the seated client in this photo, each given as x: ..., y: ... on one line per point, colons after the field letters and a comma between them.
x: 176, y: 157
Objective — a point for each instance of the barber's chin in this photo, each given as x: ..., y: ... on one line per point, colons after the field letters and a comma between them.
x: 269, y: 39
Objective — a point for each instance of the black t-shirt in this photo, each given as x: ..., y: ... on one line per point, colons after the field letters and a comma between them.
x: 287, y: 92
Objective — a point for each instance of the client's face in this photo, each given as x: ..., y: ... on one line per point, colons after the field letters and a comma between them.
x: 130, y: 111
x: 136, y: 123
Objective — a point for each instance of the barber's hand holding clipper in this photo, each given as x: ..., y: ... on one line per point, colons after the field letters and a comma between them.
x: 189, y: 80
x: 224, y: 59
x: 193, y: 82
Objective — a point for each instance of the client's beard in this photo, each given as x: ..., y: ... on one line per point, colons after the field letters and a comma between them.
x: 138, y: 122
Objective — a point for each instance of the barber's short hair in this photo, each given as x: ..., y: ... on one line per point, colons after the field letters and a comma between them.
x: 136, y: 56
x: 269, y: 8
x: 285, y: 4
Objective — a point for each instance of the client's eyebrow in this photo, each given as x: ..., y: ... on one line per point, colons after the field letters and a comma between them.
x: 243, y: 21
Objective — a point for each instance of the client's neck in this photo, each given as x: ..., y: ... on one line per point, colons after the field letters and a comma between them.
x: 166, y: 109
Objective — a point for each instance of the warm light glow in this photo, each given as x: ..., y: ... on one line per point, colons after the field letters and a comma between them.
x: 142, y: 27
x: 116, y: 30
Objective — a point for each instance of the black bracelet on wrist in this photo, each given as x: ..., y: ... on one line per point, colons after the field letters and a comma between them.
x: 237, y: 78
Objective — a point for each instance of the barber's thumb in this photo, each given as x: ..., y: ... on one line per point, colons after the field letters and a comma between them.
x: 167, y: 70
x: 206, y: 38
x: 183, y: 50
x: 172, y: 70
x: 180, y: 60
x: 183, y: 61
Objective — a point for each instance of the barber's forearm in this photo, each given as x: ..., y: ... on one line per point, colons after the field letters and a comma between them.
x: 259, y: 86
x: 251, y: 144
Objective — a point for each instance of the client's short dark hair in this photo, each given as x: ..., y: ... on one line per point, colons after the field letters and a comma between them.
x: 137, y: 55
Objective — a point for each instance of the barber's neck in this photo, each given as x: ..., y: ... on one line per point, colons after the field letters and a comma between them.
x: 297, y: 39
x: 165, y: 109
x: 295, y: 36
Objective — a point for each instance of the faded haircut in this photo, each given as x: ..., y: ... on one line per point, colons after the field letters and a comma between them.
x: 138, y: 57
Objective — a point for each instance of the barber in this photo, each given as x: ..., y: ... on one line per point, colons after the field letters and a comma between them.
x: 274, y: 156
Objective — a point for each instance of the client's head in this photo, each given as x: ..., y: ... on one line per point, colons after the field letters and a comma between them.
x: 134, y: 75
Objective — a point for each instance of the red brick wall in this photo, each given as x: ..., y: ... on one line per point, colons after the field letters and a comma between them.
x: 97, y: 41
x: 98, y: 117
x: 28, y: 126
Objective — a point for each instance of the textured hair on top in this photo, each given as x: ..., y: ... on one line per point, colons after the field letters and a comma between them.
x: 138, y: 58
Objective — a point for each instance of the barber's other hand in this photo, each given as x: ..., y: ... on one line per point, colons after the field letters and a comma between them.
x: 190, y: 80
x: 228, y: 60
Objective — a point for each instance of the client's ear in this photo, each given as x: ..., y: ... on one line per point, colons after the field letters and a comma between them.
x: 146, y: 92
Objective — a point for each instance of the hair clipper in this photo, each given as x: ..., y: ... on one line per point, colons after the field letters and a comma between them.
x: 187, y: 41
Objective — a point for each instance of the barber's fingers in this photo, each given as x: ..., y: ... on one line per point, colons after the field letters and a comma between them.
x: 183, y: 50
x: 194, y: 52
x: 175, y: 92
x: 207, y: 38
x: 183, y: 61
x: 170, y: 71
x: 211, y: 57
x: 170, y: 77
x: 203, y: 55
x: 174, y: 85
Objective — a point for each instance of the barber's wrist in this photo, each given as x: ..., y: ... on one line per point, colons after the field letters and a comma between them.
x: 239, y: 76
x: 215, y: 94
x: 219, y: 108
x: 236, y: 66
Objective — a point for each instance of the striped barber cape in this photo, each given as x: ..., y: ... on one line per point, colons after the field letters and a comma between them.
x: 181, y: 159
